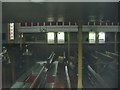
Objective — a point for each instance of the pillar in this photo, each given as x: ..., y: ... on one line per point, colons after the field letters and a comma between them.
x: 68, y: 45
x: 80, y: 56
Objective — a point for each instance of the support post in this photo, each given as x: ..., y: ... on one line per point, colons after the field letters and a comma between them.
x: 115, y: 49
x: 68, y: 45
x: 21, y: 41
x: 80, y: 56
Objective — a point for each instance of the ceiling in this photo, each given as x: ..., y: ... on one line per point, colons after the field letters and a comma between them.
x: 69, y: 11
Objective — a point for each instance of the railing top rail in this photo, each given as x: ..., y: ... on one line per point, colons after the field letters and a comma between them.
x: 98, y: 77
x: 43, y: 67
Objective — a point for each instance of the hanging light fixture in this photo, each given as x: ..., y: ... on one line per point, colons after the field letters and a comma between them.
x: 11, y: 31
